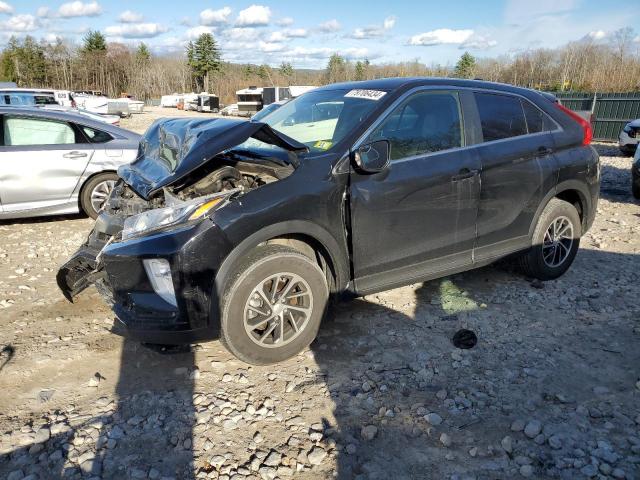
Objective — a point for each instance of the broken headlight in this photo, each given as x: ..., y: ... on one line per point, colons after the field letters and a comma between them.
x: 161, y: 218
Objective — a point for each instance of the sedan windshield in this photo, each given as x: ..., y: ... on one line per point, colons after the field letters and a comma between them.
x: 321, y: 118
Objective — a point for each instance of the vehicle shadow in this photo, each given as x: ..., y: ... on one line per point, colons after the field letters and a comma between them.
x: 145, y: 432
x: 390, y: 361
x: 44, y: 219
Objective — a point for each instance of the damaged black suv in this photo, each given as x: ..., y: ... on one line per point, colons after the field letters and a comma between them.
x: 246, y: 230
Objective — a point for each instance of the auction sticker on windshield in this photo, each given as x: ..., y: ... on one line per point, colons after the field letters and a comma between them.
x: 366, y: 94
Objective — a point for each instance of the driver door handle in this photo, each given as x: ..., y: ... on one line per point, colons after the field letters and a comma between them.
x: 463, y: 174
x: 74, y: 154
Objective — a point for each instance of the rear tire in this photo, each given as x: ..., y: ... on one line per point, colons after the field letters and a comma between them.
x: 556, y: 239
x: 273, y: 305
x: 96, y: 191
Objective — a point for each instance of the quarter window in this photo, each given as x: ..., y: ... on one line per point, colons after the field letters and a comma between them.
x: 501, y: 116
x: 33, y: 131
x: 96, y: 136
x: 424, y: 123
x: 537, y: 120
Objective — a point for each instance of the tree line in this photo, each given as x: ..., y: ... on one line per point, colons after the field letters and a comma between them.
x: 115, y: 68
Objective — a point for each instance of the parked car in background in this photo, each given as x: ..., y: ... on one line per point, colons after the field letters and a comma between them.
x: 54, y: 162
x: 35, y: 96
x: 635, y: 174
x: 230, y: 110
x: 272, y: 107
x: 245, y: 230
x: 629, y: 137
x: 110, y: 119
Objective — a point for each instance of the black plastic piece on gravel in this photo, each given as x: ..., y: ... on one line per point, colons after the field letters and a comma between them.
x: 464, y: 339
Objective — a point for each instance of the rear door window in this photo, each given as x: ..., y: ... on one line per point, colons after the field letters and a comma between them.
x: 501, y: 116
x: 21, y: 131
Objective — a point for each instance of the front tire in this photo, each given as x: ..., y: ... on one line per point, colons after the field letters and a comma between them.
x: 556, y: 239
x: 96, y: 192
x: 273, y: 305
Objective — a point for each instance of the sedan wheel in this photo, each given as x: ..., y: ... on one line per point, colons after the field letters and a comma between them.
x: 100, y: 193
x: 96, y: 192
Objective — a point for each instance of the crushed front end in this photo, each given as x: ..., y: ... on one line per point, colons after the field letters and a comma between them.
x: 154, y: 251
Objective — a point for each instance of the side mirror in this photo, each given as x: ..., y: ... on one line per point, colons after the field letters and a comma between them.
x: 372, y: 157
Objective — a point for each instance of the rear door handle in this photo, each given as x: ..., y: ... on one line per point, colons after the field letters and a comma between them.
x: 463, y: 174
x: 74, y: 155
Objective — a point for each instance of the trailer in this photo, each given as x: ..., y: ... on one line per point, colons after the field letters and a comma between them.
x: 249, y: 101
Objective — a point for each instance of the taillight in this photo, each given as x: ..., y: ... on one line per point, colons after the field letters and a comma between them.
x: 586, y: 126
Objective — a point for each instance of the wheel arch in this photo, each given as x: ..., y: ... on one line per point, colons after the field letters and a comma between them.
x: 86, y: 181
x: 571, y: 191
x: 306, y: 237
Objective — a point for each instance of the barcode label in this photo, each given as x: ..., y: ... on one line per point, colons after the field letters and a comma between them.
x: 366, y: 94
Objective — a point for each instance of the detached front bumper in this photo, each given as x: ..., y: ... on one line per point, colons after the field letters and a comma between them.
x: 194, y: 254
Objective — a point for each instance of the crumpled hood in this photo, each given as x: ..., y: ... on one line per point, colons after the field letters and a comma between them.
x: 174, y: 147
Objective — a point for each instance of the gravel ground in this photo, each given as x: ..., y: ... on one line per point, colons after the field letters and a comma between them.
x: 550, y: 391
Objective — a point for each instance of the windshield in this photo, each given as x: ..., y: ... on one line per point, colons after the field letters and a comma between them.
x: 258, y: 117
x: 322, y: 118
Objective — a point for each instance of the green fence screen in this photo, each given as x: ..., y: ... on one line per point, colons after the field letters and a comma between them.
x: 611, y: 111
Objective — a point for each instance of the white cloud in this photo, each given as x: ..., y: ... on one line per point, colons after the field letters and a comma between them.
x: 215, y: 17
x: 241, y: 34
x: 136, y: 30
x: 287, y: 34
x: 478, y: 42
x: 374, y: 31
x: 5, y: 7
x: 330, y: 26
x: 79, y: 9
x: 43, y: 11
x: 20, y: 23
x: 441, y: 36
x: 597, y: 34
x: 195, y: 32
x: 389, y: 22
x: 269, y: 47
x: 285, y: 22
x: 254, y: 16
x: 129, y: 16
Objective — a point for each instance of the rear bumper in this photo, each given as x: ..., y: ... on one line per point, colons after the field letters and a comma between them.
x: 194, y: 253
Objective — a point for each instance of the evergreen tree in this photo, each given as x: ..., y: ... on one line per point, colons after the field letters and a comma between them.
x: 361, y: 69
x: 466, y: 66
x: 336, y: 69
x: 24, y: 62
x: 143, y: 55
x: 94, y: 41
x: 203, y: 56
x: 286, y: 69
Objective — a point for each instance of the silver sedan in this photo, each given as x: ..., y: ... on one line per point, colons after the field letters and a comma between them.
x: 57, y: 162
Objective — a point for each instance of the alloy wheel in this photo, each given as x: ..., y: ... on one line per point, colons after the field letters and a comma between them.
x: 557, y: 242
x: 278, y: 310
x: 100, y: 194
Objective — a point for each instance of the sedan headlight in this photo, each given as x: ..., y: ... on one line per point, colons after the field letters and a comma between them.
x: 160, y: 218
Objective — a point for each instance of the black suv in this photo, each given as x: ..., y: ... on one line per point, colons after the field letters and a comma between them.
x: 246, y: 230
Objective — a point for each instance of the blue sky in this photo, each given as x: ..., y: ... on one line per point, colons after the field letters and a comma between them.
x: 306, y: 33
